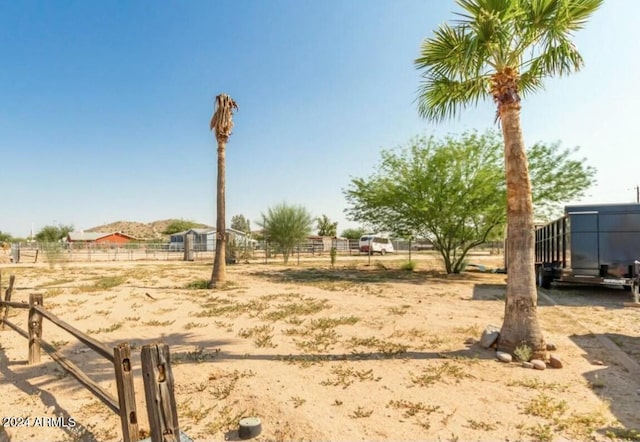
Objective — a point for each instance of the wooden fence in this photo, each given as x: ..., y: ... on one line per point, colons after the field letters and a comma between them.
x: 156, y: 371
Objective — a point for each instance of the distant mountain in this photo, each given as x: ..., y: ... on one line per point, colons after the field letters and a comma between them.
x: 152, y: 230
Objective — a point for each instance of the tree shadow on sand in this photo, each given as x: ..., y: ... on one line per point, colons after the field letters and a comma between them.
x: 572, y: 295
x: 37, y: 380
x: 489, y: 292
x: 615, y: 378
x: 358, y: 275
x: 22, y: 377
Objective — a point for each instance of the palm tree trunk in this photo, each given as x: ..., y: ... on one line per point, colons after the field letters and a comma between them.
x: 520, y: 324
x: 219, y: 275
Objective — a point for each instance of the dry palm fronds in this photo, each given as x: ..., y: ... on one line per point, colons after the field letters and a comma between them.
x: 222, y: 121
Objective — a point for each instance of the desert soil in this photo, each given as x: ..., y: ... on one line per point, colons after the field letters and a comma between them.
x: 352, y: 353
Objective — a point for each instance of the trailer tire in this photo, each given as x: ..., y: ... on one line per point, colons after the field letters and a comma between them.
x: 544, y: 278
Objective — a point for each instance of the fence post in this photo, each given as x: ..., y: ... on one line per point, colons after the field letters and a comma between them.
x: 158, y: 391
x: 126, y: 393
x: 7, y: 298
x: 35, y: 328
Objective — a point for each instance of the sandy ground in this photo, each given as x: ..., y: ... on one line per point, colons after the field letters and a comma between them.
x: 352, y: 353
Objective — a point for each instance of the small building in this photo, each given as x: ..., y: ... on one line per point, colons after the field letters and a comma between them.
x: 82, y: 237
x: 319, y: 244
x: 204, y: 240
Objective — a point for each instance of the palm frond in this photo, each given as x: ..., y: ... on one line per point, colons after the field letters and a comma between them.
x: 481, y: 9
x: 449, y: 53
x: 531, y: 78
x: 440, y: 97
x: 546, y: 22
x: 558, y: 57
x: 222, y: 121
x: 574, y: 14
x: 490, y: 30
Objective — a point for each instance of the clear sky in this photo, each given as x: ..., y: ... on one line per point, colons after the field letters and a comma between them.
x: 105, y: 106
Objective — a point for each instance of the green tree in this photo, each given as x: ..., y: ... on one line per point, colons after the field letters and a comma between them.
x: 353, y: 233
x: 5, y: 237
x: 239, y: 222
x: 448, y: 191
x: 452, y: 191
x: 179, y: 225
x: 221, y: 124
x: 502, y: 50
x: 53, y: 233
x: 326, y: 227
x: 286, y: 226
x: 556, y: 178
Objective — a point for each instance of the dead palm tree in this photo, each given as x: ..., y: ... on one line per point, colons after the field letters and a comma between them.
x: 502, y: 50
x: 222, y: 124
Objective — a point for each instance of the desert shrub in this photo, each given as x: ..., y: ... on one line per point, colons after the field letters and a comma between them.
x: 408, y: 266
x: 523, y: 353
x: 333, y: 254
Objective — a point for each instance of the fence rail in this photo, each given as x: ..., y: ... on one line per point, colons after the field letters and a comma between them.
x: 161, y: 410
x: 152, y: 251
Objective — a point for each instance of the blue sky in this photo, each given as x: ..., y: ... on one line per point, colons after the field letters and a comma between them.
x: 105, y: 106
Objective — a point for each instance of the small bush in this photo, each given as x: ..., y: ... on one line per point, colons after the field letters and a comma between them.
x: 523, y: 353
x: 408, y: 266
x: 333, y: 254
x: 198, y: 284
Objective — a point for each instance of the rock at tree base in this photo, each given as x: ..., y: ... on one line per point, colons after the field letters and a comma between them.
x: 551, y: 346
x: 489, y: 336
x: 503, y: 357
x: 555, y: 362
x: 538, y: 364
x: 527, y: 364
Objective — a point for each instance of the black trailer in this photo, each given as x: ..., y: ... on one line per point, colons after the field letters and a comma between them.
x: 591, y: 244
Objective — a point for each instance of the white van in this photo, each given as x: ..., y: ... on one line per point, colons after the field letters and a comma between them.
x: 378, y: 244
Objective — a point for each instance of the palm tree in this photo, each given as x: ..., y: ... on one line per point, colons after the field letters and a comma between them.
x: 504, y: 49
x: 222, y: 124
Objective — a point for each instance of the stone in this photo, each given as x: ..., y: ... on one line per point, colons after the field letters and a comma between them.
x: 551, y: 346
x: 5, y: 435
x: 489, y: 336
x: 503, y: 356
x: 538, y: 364
x: 555, y: 361
x: 597, y: 362
x: 470, y: 341
x: 527, y: 364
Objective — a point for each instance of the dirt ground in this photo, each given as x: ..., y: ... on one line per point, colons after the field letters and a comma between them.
x: 358, y: 352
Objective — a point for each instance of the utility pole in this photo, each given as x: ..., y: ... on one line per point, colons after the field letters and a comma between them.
x: 637, y: 194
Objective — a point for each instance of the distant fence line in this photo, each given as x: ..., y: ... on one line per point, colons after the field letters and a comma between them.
x: 30, y: 252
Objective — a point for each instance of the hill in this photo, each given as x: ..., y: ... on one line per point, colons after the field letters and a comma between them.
x: 152, y: 230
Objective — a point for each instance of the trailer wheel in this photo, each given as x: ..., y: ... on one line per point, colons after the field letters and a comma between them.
x: 382, y: 252
x: 544, y: 278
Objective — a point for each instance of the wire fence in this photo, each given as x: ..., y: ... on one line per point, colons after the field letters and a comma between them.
x: 32, y: 252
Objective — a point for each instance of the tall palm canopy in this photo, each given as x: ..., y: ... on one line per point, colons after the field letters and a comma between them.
x: 504, y: 49
x: 222, y: 124
x: 499, y: 48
